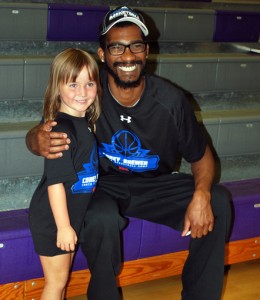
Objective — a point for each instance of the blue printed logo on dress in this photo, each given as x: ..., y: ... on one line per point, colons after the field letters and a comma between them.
x: 126, y: 153
x: 88, y: 178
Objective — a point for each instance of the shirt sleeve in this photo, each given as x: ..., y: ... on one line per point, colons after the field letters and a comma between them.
x: 61, y: 170
x: 192, y: 141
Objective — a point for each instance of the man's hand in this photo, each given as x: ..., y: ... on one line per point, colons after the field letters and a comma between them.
x: 199, y: 217
x: 40, y: 140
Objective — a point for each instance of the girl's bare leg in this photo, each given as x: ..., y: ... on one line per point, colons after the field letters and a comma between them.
x: 56, y: 271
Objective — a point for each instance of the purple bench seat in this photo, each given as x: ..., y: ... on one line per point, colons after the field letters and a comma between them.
x: 141, y: 238
x: 246, y: 199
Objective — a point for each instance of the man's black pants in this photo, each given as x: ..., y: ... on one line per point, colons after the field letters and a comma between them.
x: 162, y: 200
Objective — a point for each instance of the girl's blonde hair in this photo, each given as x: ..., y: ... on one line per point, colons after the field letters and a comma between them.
x: 66, y: 67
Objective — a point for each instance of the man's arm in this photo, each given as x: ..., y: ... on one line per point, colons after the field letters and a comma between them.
x: 40, y: 140
x: 199, y: 216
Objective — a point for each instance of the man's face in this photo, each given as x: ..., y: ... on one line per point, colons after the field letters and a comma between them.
x: 127, y: 68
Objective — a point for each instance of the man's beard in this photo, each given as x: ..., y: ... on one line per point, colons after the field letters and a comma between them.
x: 126, y: 84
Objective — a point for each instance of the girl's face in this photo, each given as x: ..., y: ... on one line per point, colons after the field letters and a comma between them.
x: 77, y: 96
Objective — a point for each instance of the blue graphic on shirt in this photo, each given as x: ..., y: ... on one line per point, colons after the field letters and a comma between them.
x: 126, y: 153
x: 88, y: 178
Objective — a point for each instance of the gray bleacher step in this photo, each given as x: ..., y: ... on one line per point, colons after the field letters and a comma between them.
x: 15, y: 159
x: 232, y: 132
x: 226, y: 101
x: 16, y: 193
x: 20, y: 111
x: 239, y: 168
x: 233, y: 168
x: 31, y: 110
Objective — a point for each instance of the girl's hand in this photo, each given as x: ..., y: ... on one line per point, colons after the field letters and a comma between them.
x: 66, y: 238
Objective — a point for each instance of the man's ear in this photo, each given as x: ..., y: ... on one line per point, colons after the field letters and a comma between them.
x: 101, y: 54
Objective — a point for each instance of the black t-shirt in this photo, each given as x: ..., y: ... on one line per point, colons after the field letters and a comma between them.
x: 77, y: 169
x: 148, y: 138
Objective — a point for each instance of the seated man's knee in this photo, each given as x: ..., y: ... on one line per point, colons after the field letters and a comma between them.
x: 221, y: 202
x: 105, y: 217
x: 220, y: 197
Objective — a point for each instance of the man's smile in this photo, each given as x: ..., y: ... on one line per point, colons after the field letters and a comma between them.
x: 127, y: 68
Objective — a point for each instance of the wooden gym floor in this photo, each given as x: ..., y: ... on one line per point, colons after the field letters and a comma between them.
x: 241, y: 283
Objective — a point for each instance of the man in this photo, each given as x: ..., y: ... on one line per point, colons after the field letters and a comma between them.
x: 145, y: 124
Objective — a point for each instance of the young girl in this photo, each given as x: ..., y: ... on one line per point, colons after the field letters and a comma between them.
x: 60, y: 201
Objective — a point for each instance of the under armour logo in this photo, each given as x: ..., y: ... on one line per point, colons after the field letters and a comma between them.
x: 128, y: 119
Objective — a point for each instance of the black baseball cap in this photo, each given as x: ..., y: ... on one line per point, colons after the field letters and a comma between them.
x: 123, y: 14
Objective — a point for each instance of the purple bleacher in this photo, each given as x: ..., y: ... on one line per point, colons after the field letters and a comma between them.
x: 18, y: 260
x: 74, y: 22
x: 246, y: 200
x: 236, y: 26
x: 141, y: 239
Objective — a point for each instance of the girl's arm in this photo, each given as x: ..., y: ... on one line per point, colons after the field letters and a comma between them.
x: 66, y: 236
